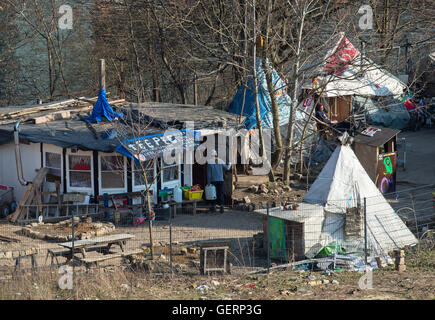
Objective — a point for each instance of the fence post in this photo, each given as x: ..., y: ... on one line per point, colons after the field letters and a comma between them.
x: 72, y: 245
x: 267, y: 240
x: 365, y: 230
x: 171, y: 212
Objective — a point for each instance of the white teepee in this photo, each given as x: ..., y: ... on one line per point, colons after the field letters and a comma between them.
x: 341, y: 181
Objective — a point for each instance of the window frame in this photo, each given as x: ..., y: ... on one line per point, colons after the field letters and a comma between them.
x: 88, y: 190
x: 171, y: 183
x: 100, y: 180
x: 138, y: 188
x: 56, y: 150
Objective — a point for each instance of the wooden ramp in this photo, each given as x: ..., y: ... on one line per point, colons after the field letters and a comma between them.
x: 33, y: 194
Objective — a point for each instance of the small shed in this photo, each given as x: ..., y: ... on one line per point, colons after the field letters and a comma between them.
x: 292, y: 233
x: 378, y: 155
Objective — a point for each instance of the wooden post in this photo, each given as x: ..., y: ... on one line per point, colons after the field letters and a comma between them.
x: 122, y: 84
x: 195, y: 90
x: 102, y: 74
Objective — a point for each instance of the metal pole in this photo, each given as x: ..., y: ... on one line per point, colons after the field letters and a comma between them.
x: 365, y: 230
x: 170, y: 238
x: 267, y: 241
x: 72, y: 245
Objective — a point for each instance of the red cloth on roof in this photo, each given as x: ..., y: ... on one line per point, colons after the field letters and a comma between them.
x: 409, y: 105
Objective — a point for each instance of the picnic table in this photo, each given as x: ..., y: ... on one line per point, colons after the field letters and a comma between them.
x: 100, y: 244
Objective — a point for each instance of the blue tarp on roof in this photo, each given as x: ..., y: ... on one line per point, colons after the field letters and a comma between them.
x: 103, y: 108
x: 389, y: 112
x: 244, y: 99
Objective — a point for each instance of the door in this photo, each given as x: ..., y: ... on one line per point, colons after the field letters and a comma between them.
x: 343, y: 108
x: 387, y: 172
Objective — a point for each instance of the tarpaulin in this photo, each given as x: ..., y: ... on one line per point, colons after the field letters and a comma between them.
x: 388, y: 112
x: 245, y: 100
x: 103, y: 108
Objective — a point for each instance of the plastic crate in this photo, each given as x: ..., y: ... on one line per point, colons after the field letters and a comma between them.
x: 193, y: 195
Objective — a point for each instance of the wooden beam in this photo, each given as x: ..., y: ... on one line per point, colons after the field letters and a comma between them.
x: 52, y: 116
x: 102, y: 74
x: 26, y: 111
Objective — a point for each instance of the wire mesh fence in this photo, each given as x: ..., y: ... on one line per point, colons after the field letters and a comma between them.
x: 344, y: 234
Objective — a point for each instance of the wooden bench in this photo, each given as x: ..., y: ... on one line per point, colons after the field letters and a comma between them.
x: 95, y: 260
x: 66, y: 253
x: 32, y: 256
x: 193, y: 203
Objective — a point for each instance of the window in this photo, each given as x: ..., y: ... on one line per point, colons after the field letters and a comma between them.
x: 148, y: 168
x: 169, y: 172
x: 112, y: 172
x: 80, y: 174
x: 53, y: 161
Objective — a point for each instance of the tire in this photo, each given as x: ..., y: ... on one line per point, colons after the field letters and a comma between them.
x: 5, y: 210
x: 13, y: 206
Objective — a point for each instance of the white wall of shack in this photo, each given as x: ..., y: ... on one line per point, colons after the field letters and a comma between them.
x: 31, y: 159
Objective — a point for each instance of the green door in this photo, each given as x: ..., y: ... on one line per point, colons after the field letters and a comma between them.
x: 277, y: 238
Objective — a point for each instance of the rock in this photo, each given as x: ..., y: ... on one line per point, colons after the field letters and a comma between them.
x: 247, y: 200
x: 335, y: 282
x: 179, y: 267
x: 97, y: 225
x: 253, y: 188
x: 263, y: 189
x: 315, y: 283
x: 286, y: 188
x: 125, y: 286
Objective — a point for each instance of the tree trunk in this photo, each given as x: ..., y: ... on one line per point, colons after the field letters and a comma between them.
x: 277, y: 154
x: 290, y: 130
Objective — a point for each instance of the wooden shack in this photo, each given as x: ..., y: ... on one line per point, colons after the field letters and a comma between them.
x: 378, y: 156
x: 292, y: 234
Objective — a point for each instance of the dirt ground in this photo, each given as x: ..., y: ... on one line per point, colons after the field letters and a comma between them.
x: 420, y: 155
x: 413, y: 284
x: 187, y: 229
